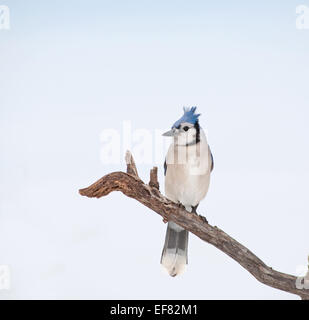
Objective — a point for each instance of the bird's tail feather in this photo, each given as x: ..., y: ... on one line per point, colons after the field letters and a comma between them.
x: 175, y: 251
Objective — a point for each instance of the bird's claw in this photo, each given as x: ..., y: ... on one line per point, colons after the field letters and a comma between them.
x: 180, y: 205
x: 203, y: 219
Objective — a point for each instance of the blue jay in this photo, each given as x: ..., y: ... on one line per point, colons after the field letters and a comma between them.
x: 187, y: 169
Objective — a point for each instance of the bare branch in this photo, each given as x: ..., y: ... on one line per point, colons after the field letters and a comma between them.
x: 149, y: 195
x: 154, y: 178
x: 131, y: 167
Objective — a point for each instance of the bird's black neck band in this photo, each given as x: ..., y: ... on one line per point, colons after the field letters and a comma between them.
x: 198, y: 135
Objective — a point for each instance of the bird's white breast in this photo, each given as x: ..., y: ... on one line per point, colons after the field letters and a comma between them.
x: 188, y: 172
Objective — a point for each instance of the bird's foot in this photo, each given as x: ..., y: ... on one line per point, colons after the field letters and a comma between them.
x: 200, y: 216
x: 181, y: 206
x: 203, y: 219
x: 194, y: 208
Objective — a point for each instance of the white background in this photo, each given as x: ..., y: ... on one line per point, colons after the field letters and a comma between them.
x: 69, y: 70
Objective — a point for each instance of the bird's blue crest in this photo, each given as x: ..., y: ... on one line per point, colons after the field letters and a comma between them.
x: 189, y: 116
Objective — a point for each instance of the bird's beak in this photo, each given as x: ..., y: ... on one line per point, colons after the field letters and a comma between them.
x: 170, y: 133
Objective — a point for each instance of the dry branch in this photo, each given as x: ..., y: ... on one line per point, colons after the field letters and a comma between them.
x: 149, y: 195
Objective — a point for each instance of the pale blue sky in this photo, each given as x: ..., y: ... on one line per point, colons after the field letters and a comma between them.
x: 70, y: 69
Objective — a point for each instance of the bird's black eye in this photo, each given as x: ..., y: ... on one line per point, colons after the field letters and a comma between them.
x: 186, y: 128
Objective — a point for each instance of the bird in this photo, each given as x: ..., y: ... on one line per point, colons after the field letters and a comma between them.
x: 187, y: 169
